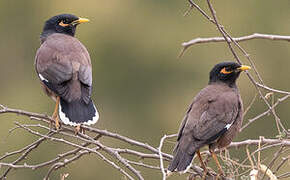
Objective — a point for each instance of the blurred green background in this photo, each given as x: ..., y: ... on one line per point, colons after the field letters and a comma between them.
x: 141, y: 88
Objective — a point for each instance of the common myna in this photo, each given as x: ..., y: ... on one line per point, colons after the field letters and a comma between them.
x: 213, y: 118
x: 64, y: 67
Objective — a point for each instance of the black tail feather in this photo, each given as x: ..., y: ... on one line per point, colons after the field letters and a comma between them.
x: 184, y: 152
x: 181, y: 160
x: 78, y: 112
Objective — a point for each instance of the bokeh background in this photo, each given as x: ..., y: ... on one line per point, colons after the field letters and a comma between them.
x: 141, y: 88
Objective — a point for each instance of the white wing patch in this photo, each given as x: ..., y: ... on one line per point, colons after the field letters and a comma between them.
x: 42, y: 78
x: 229, y: 125
x: 66, y: 120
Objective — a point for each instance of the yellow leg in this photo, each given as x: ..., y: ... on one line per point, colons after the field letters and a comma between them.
x: 55, y: 115
x: 202, y: 165
x: 77, y: 129
x: 217, y: 162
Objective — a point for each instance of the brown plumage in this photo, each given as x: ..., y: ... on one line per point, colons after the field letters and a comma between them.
x: 63, y: 65
x: 213, y: 118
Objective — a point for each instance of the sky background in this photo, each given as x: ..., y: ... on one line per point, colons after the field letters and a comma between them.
x: 141, y: 88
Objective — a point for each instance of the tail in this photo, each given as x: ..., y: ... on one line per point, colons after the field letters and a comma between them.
x: 184, y: 152
x: 78, y: 112
x: 181, y: 160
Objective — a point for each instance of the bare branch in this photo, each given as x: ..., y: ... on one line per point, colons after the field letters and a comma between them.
x: 28, y: 149
x: 82, y: 149
x: 160, y: 154
x: 238, y: 39
x: 264, y: 113
x: 256, y: 142
x: 273, y: 90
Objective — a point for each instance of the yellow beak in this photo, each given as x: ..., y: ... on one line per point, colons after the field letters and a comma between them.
x: 80, y: 20
x: 244, y: 67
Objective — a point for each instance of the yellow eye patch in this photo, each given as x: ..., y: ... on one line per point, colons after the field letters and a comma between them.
x: 224, y: 71
x: 63, y: 24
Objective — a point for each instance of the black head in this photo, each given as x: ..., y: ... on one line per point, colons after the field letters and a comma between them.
x: 226, y: 72
x: 63, y: 23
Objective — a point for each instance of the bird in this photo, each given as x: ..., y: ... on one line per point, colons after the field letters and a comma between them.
x: 213, y: 118
x: 64, y: 68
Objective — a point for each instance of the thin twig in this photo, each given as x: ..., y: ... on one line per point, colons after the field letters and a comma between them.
x: 282, y: 163
x: 250, y: 105
x: 160, y: 154
x: 264, y: 113
x: 276, y: 155
x: 27, y: 150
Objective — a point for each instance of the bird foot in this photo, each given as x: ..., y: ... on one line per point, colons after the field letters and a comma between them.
x: 221, y: 173
x: 168, y: 173
x: 204, y: 174
x: 219, y: 176
x: 56, y: 119
x: 78, y: 129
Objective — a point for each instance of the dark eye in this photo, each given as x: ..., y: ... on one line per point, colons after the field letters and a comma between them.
x: 228, y: 68
x: 65, y: 21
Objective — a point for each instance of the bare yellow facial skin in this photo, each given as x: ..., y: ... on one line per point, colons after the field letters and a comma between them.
x: 224, y: 71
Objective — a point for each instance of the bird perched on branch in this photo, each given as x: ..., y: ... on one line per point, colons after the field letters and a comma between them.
x: 213, y: 118
x: 64, y: 67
